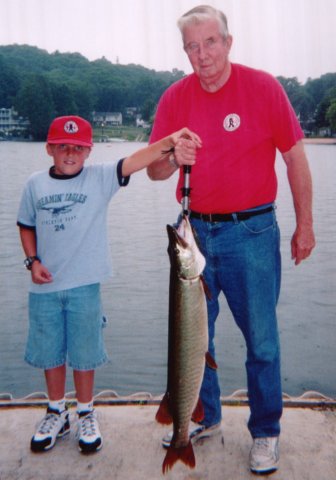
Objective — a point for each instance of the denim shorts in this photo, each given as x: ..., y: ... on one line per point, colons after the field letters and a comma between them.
x: 66, y: 326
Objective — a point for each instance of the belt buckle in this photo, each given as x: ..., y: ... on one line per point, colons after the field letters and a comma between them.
x: 212, y: 218
x: 205, y: 217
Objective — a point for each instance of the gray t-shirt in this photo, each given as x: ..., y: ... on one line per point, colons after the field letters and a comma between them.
x: 70, y: 218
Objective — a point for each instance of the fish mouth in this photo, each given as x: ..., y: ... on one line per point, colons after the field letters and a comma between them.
x: 175, y: 238
x: 184, y: 252
x: 180, y: 235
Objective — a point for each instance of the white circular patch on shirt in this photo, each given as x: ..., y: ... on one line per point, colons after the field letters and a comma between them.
x: 231, y: 122
x: 71, y: 127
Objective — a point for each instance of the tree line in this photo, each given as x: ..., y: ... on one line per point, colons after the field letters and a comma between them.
x: 41, y: 86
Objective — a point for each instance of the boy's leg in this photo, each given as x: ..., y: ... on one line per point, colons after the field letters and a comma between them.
x: 84, y: 381
x: 90, y: 439
x: 55, y: 379
x: 85, y: 348
x: 56, y: 421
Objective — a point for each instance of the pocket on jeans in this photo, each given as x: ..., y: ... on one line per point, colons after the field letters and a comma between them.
x: 259, y: 223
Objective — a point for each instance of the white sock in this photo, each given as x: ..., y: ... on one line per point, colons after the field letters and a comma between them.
x: 84, y: 407
x: 58, y: 405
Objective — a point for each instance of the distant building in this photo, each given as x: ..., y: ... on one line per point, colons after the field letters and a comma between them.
x: 141, y: 123
x: 11, y: 123
x: 107, y: 119
x: 131, y: 112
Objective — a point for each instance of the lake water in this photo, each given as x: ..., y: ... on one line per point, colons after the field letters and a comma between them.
x: 136, y: 300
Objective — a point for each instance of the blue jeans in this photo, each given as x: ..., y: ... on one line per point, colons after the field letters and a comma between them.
x: 243, y: 262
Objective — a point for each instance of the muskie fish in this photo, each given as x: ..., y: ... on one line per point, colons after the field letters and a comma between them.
x: 187, y: 343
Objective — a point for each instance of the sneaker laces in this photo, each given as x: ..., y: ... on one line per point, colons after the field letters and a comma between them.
x: 48, y: 423
x: 88, y: 425
x: 262, y: 446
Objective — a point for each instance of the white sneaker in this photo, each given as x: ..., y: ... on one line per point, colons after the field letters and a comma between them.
x: 264, y: 456
x: 89, y: 437
x: 53, y: 425
x: 196, y: 432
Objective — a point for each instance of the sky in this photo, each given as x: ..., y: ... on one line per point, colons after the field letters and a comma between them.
x: 293, y: 38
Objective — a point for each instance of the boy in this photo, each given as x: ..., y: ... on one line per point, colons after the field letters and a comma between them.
x: 62, y: 222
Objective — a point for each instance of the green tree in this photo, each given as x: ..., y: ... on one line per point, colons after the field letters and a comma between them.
x: 70, y: 83
x: 321, y: 117
x: 35, y: 102
x: 9, y: 84
x: 148, y: 109
x: 64, y: 102
x: 303, y: 103
x: 331, y: 114
x: 84, y: 98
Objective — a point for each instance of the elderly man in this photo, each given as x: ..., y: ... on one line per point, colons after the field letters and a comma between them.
x: 242, y: 116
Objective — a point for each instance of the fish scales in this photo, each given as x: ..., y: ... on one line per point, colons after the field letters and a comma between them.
x: 188, y: 346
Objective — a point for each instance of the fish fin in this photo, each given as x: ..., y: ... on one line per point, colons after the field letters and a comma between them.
x: 163, y: 414
x: 198, y: 413
x: 206, y: 288
x: 185, y: 454
x: 210, y: 361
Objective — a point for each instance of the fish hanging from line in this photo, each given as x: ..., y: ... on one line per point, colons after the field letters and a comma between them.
x: 187, y: 343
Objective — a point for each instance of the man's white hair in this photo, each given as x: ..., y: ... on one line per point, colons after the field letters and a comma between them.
x: 201, y: 14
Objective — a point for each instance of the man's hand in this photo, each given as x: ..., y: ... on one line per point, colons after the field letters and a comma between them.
x: 302, y: 244
x: 186, y: 144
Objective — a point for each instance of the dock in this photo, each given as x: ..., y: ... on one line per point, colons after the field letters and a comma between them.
x: 132, y: 443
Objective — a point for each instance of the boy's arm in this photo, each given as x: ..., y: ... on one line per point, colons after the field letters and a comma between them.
x: 184, y: 142
x: 28, y: 240
x: 40, y: 273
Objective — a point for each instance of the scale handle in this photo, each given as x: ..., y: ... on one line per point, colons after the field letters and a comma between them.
x: 186, y: 189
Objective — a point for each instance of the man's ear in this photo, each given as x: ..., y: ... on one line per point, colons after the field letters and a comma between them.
x: 229, y: 41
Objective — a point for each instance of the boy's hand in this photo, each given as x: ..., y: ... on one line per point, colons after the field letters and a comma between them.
x: 186, y: 144
x: 40, y: 274
x: 187, y: 134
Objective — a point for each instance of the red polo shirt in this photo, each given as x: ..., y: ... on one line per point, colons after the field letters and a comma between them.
x: 241, y: 126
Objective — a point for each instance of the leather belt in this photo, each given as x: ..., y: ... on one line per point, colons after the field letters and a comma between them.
x: 229, y: 217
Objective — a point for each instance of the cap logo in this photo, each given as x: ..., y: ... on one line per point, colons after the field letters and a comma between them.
x: 71, y: 127
x: 231, y: 122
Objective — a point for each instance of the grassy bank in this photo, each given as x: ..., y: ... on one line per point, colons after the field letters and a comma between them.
x: 130, y: 134
x: 136, y: 134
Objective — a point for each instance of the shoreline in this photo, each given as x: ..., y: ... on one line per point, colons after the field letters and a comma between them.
x: 320, y: 141
x: 143, y: 138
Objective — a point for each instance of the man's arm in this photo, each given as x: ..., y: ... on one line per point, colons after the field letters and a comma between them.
x: 163, y: 168
x: 300, y: 181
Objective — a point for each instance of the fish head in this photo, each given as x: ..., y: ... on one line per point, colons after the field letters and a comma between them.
x: 183, y: 250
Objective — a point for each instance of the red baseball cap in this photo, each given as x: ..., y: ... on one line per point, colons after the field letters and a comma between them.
x: 70, y: 129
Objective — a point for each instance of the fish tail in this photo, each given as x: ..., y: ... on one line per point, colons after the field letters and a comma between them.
x: 185, y: 454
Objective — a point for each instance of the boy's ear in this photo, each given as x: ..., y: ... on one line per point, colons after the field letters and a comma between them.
x: 49, y: 149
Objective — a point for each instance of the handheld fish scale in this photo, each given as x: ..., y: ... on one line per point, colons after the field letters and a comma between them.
x: 186, y: 190
x: 186, y: 185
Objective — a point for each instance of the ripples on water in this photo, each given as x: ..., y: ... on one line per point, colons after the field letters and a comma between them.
x: 136, y: 300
